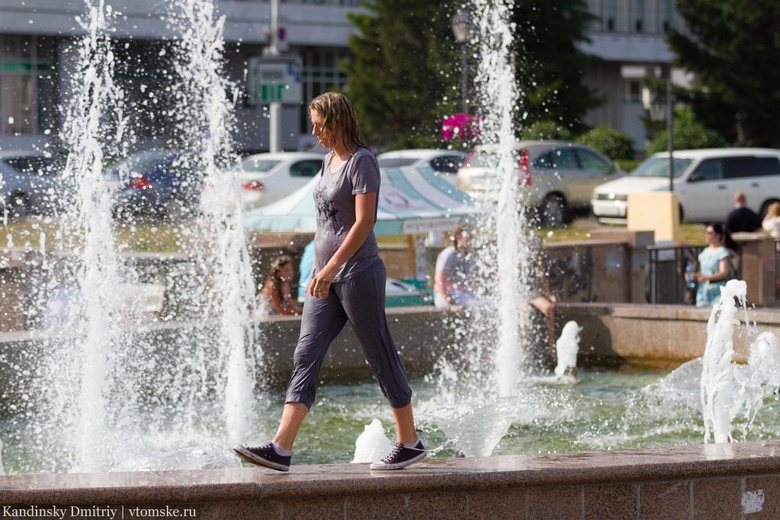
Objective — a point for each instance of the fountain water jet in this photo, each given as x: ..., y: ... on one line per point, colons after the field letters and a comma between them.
x: 209, y: 110
x: 86, y: 138
x: 157, y: 403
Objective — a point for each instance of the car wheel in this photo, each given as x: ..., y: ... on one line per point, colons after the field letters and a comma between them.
x: 553, y: 211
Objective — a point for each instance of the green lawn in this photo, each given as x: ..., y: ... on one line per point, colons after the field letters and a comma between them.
x: 163, y: 237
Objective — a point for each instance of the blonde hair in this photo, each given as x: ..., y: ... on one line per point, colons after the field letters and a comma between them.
x: 338, y: 113
x: 774, y: 209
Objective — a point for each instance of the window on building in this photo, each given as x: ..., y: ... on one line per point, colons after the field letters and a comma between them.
x: 665, y: 14
x: 639, y: 16
x: 610, y: 15
x: 24, y: 78
x: 633, y: 90
x: 322, y: 72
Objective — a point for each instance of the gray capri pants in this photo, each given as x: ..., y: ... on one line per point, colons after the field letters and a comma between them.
x: 361, y: 301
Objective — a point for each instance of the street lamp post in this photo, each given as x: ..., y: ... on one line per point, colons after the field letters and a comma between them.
x: 661, y: 107
x: 461, y: 28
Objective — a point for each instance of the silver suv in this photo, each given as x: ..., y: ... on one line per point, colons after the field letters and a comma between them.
x: 556, y: 178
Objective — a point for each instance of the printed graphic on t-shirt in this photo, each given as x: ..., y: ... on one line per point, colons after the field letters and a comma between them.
x: 326, y: 209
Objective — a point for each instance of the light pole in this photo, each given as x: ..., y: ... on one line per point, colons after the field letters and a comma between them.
x: 661, y: 107
x: 461, y: 28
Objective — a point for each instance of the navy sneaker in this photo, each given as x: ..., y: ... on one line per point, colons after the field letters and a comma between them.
x: 401, y: 456
x: 265, y: 455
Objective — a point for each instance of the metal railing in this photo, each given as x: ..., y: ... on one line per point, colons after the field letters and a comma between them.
x: 665, y: 280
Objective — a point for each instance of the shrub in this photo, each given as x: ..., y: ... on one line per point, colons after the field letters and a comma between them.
x: 546, y: 130
x: 689, y: 134
x: 615, y: 145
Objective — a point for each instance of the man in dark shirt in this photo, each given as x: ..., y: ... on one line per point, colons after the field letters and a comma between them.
x: 742, y: 218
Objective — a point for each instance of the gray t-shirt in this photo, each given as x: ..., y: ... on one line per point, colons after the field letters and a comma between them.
x: 334, y: 200
x: 459, y: 269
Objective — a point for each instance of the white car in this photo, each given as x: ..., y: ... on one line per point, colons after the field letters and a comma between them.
x: 445, y: 163
x: 704, y: 180
x: 267, y: 177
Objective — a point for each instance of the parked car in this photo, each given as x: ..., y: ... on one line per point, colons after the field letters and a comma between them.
x: 268, y: 177
x: 445, y: 163
x: 32, y: 183
x: 157, y: 183
x: 704, y: 180
x: 556, y: 178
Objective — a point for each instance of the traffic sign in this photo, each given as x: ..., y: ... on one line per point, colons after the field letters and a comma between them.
x: 275, y: 80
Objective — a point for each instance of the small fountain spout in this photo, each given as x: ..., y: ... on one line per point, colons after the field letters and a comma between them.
x: 567, y: 347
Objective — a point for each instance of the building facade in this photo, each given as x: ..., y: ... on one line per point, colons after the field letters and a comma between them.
x: 38, y: 39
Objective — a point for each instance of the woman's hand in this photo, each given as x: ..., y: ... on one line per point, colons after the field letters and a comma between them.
x: 365, y: 207
x: 320, y: 283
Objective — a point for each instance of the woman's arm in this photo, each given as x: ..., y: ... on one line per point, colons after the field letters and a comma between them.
x: 365, y: 208
x: 722, y: 274
x: 288, y: 304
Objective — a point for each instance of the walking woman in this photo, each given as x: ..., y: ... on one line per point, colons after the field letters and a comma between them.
x: 347, y: 284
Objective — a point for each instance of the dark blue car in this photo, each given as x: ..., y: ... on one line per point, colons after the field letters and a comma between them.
x: 160, y: 183
x: 31, y: 183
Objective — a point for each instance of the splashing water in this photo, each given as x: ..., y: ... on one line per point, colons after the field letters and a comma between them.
x: 208, y: 109
x: 496, y: 79
x: 718, y: 375
x: 566, y: 348
x: 98, y: 99
x: 372, y: 444
x: 106, y: 382
x: 494, y: 357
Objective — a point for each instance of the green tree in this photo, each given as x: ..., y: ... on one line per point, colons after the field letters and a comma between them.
x: 401, y: 71
x: 688, y: 133
x: 610, y: 142
x: 546, y: 130
x: 729, y: 46
x: 550, y: 67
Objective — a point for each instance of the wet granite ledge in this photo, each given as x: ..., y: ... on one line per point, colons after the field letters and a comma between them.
x: 740, y: 481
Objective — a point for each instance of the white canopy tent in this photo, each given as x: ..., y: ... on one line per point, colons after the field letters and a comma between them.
x: 411, y: 201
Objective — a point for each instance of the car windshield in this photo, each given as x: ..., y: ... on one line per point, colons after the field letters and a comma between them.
x: 659, y: 167
x: 397, y: 162
x: 259, y: 165
x: 485, y: 159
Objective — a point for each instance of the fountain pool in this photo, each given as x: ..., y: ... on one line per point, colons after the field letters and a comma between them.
x: 602, y: 410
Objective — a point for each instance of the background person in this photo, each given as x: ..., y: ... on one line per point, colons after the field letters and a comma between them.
x: 742, y: 219
x: 714, y: 265
x: 277, y: 290
x: 347, y: 284
x: 771, y: 222
x: 454, y: 280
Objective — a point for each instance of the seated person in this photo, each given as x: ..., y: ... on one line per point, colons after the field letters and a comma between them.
x: 277, y: 290
x: 771, y: 222
x: 304, y: 269
x: 454, y: 286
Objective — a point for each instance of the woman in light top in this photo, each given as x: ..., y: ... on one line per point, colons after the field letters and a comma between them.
x: 714, y: 265
x: 347, y: 284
